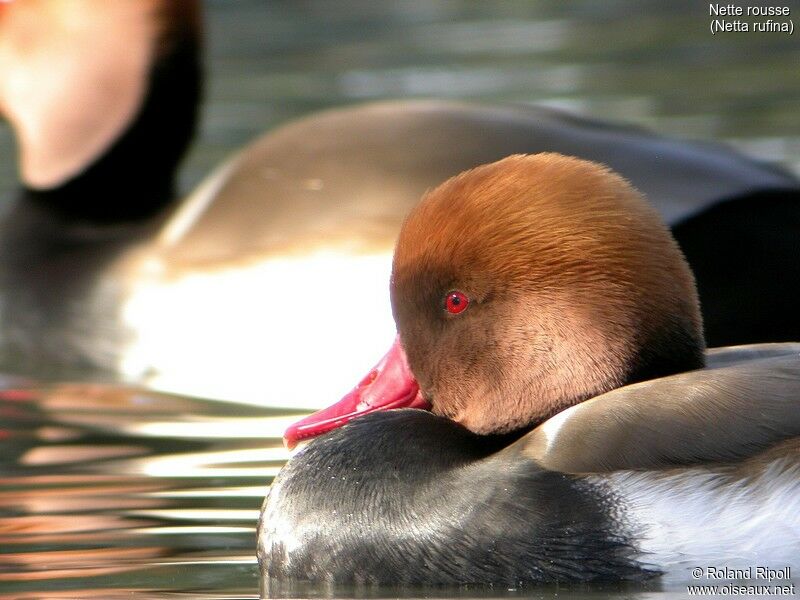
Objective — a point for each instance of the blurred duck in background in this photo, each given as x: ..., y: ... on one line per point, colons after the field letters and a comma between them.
x: 280, y: 258
x: 100, y: 124
x: 103, y: 101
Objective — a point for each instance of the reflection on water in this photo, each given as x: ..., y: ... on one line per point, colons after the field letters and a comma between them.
x: 106, y: 488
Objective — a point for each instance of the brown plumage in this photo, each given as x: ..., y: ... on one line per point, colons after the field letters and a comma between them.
x: 538, y: 266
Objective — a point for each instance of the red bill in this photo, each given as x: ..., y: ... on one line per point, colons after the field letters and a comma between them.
x: 390, y: 384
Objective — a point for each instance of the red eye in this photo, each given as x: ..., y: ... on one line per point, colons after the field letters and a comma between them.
x: 456, y: 302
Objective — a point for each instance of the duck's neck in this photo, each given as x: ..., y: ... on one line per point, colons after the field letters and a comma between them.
x: 673, y: 349
x: 102, y: 153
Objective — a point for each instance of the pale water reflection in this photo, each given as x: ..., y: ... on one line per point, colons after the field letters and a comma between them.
x: 97, y: 492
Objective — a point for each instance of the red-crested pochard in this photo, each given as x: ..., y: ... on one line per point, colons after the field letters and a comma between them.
x: 549, y: 322
x: 104, y: 274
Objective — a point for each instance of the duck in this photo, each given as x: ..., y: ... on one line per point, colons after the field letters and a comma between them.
x: 108, y: 272
x: 548, y: 411
x: 100, y: 129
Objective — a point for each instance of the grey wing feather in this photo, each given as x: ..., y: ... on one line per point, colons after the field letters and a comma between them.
x: 724, y: 414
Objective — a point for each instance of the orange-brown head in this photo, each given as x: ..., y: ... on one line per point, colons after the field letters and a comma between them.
x: 573, y: 286
x: 525, y: 286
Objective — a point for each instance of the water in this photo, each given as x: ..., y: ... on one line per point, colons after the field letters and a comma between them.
x: 109, y: 488
x: 112, y: 492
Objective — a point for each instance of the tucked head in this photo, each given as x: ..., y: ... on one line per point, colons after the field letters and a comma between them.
x: 572, y: 285
x: 525, y: 286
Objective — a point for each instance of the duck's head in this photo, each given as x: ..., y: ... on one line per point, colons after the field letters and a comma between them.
x: 525, y: 286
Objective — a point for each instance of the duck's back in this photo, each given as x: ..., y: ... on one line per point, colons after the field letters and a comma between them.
x: 314, y: 207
